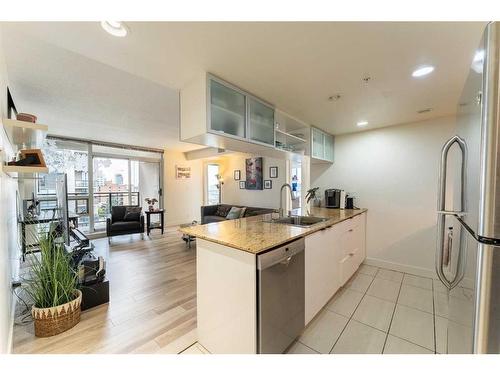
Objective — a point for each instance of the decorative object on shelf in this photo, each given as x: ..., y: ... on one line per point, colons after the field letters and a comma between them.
x: 26, y: 117
x: 51, y: 284
x: 311, y: 196
x: 33, y: 210
x: 253, y: 167
x: 151, y: 203
x: 242, y: 185
x: 29, y: 158
x: 182, y: 173
x: 268, y: 184
x: 237, y: 175
x: 273, y: 172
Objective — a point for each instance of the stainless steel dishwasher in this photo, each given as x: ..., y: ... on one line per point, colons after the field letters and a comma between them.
x: 280, y: 296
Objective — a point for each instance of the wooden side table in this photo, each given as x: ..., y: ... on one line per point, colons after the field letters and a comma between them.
x: 150, y: 226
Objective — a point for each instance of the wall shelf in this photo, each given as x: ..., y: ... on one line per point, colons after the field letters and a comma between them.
x: 23, y: 134
x: 21, y: 172
x: 291, y: 136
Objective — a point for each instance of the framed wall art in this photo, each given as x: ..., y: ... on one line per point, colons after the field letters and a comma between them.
x: 253, y: 167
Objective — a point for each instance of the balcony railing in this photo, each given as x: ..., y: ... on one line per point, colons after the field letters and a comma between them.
x: 79, y: 203
x: 103, y: 202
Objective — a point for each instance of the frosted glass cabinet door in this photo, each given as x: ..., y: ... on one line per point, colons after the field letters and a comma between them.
x: 318, y: 144
x: 227, y: 110
x: 261, y: 122
x: 328, y: 147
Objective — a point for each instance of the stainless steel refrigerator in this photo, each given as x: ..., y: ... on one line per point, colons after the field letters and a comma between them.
x: 468, y: 239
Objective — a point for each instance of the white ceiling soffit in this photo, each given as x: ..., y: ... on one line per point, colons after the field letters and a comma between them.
x: 295, y: 66
x: 82, y: 98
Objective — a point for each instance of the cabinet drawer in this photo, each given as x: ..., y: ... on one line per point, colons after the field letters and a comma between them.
x: 348, y: 265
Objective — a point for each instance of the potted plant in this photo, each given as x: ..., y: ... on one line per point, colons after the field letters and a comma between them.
x: 151, y: 202
x: 51, y: 285
x: 311, y: 196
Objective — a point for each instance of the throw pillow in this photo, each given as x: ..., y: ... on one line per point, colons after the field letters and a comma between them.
x: 132, y: 214
x: 243, y: 210
x: 234, y: 213
x: 222, y: 211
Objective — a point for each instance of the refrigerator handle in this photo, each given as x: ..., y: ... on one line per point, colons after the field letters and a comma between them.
x: 442, y: 213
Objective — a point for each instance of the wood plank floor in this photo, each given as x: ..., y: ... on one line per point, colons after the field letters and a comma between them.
x: 152, y: 305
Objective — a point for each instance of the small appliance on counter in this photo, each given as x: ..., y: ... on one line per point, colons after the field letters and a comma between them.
x: 332, y: 198
x: 349, y: 202
x: 342, y: 199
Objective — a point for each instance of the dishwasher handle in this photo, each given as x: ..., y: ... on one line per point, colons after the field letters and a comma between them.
x: 282, y: 255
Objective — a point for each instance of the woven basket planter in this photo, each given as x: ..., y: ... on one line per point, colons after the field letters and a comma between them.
x: 51, y: 321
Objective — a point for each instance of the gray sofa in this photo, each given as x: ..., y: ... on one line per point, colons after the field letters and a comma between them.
x: 215, y: 213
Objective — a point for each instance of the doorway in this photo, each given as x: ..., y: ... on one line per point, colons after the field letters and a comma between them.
x: 296, y: 183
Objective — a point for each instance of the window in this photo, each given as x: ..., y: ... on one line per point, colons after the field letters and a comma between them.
x: 121, y: 176
x: 70, y: 158
x: 213, y: 192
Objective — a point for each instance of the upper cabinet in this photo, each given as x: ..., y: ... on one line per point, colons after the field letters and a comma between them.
x: 321, y: 146
x: 260, y: 122
x: 291, y: 133
x: 227, y: 110
x: 218, y: 114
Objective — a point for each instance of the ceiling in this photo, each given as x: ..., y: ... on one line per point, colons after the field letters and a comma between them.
x: 82, y: 80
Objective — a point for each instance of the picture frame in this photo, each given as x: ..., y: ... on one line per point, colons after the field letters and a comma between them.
x: 182, y: 172
x: 237, y: 175
x: 254, y: 173
x: 273, y: 172
x: 268, y: 184
x: 242, y: 185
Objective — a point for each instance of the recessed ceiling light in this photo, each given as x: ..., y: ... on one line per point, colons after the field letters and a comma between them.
x: 362, y: 123
x: 115, y: 28
x: 423, y: 71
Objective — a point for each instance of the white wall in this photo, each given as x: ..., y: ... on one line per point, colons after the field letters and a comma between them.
x: 182, y: 198
x: 9, y: 251
x: 393, y: 173
x: 231, y: 192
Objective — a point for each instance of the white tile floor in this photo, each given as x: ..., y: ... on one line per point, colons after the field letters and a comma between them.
x: 379, y: 311
x: 384, y: 311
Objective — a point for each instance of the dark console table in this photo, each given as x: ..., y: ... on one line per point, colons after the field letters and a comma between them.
x: 159, y: 225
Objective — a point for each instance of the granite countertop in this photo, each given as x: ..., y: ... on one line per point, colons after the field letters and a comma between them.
x: 255, y: 235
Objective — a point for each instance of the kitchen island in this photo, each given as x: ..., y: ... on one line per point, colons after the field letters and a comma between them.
x: 227, y: 270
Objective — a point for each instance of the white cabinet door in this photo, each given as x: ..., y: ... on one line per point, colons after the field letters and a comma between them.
x: 227, y: 109
x: 321, y: 274
x: 260, y: 122
x: 329, y: 147
x: 317, y: 143
x: 351, y: 247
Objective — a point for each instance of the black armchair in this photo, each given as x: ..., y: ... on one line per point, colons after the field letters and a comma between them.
x: 118, y: 224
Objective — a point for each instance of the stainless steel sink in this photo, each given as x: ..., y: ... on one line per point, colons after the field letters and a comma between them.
x: 300, y: 221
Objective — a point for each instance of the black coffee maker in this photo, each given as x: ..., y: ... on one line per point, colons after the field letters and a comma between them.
x: 332, y: 198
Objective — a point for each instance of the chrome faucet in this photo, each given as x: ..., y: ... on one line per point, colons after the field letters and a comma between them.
x: 281, y: 198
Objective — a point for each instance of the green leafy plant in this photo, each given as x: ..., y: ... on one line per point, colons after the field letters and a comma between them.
x: 51, y: 280
x: 311, y: 194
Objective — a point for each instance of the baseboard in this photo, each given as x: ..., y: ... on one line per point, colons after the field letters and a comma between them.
x: 418, y: 271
